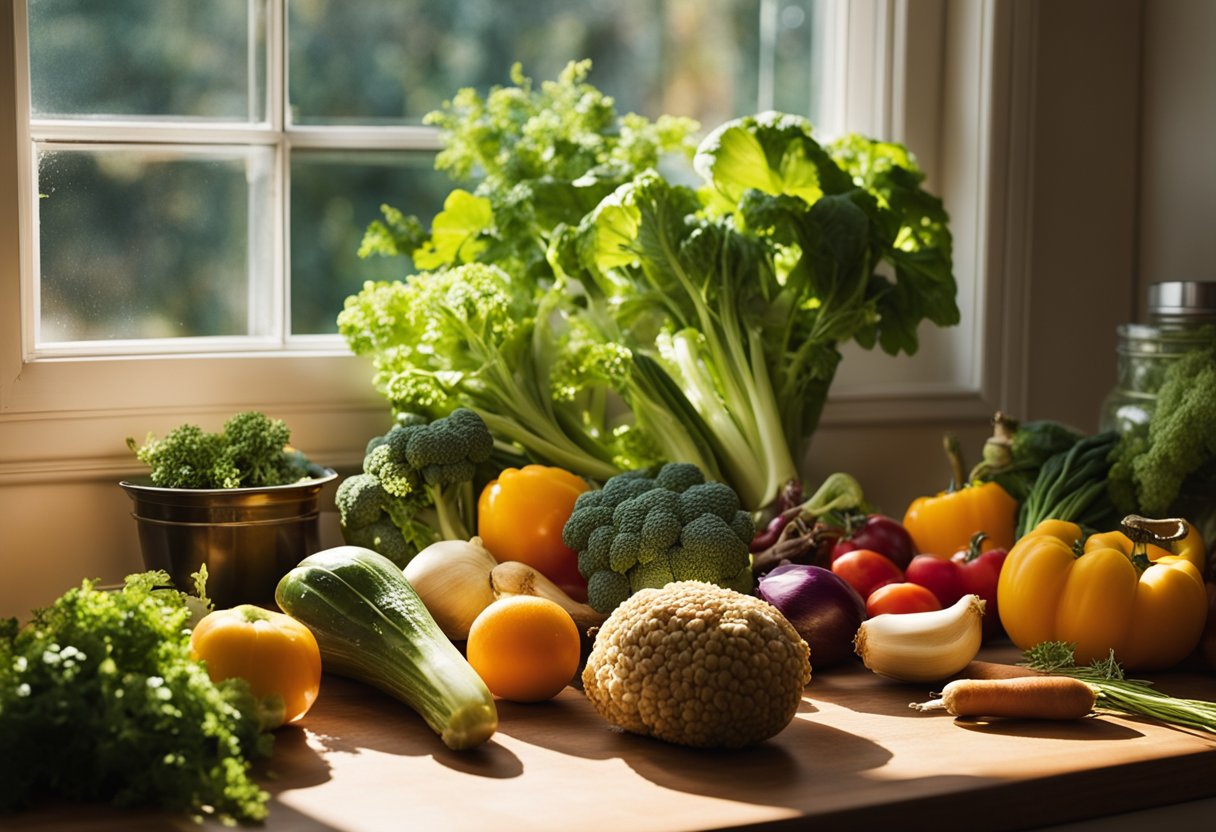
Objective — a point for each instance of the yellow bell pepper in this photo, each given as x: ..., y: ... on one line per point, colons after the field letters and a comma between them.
x: 1101, y: 595
x: 276, y: 654
x: 945, y: 523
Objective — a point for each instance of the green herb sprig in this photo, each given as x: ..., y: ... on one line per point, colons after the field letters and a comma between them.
x: 1118, y: 693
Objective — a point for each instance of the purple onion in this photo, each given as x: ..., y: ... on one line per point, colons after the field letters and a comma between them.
x: 823, y: 608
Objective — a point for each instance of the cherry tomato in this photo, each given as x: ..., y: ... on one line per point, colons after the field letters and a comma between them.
x: 901, y: 598
x: 866, y: 570
x: 879, y: 534
x: 941, y: 576
x: 520, y: 517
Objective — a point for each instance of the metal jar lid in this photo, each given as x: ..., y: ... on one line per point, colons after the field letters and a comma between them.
x: 1182, y: 299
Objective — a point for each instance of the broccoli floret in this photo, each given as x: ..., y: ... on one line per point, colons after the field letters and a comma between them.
x: 416, y: 487
x: 447, y: 451
x: 640, y: 531
x: 258, y: 448
x: 373, y: 518
x: 679, y: 476
x: 252, y: 451
x: 387, y: 463
x: 1149, y: 469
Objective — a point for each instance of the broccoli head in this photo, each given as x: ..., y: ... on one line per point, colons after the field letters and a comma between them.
x: 1149, y: 468
x: 373, y: 518
x: 258, y: 447
x: 416, y: 487
x: 640, y: 531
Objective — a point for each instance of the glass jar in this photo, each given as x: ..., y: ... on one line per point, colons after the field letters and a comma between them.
x: 1181, y: 318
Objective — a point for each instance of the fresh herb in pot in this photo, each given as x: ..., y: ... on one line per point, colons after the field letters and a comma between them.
x: 252, y: 451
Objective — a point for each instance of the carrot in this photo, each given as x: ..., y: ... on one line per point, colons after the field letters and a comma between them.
x: 1045, y: 697
x: 995, y: 670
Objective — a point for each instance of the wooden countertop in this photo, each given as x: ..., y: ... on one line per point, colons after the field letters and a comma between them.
x: 855, y: 757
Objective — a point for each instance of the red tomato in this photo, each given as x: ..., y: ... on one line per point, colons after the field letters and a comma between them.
x: 520, y: 517
x: 944, y: 578
x: 866, y: 570
x: 981, y: 571
x: 879, y: 534
x: 901, y: 598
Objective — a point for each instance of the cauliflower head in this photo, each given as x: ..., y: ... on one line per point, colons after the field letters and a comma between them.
x: 699, y: 665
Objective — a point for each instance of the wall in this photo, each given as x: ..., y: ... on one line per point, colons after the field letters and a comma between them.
x: 1178, y: 174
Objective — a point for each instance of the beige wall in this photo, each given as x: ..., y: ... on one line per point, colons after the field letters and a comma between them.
x: 1178, y: 128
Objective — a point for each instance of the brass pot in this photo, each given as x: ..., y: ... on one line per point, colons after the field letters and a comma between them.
x: 248, y: 537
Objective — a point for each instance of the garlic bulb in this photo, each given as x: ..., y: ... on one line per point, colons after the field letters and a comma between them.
x: 515, y: 578
x: 452, y: 577
x: 922, y: 646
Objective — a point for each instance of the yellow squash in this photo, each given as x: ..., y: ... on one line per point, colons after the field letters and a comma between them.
x: 1104, y: 593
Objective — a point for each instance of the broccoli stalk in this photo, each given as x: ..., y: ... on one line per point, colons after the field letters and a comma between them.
x: 416, y: 487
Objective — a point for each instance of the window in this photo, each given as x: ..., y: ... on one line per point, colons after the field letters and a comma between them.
x: 297, y: 149
x: 206, y: 170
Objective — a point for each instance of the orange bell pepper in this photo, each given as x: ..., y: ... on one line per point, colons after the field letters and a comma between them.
x: 1104, y: 593
x: 520, y: 516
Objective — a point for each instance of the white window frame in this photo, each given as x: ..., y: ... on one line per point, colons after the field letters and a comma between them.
x: 64, y: 417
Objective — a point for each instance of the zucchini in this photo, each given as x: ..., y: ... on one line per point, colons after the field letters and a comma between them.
x: 371, y: 626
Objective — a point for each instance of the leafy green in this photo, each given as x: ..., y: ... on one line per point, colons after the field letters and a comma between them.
x: 1072, y: 485
x: 745, y: 310
x: 637, y: 319
x: 484, y: 325
x: 100, y: 700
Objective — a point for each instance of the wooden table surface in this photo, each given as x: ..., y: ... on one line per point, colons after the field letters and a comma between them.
x: 854, y: 757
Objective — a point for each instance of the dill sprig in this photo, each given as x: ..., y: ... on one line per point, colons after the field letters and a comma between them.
x: 1116, y: 692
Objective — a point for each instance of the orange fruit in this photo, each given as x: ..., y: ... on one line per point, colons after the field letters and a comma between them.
x: 526, y: 649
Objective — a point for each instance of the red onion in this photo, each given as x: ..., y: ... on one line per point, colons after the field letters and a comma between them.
x: 823, y: 608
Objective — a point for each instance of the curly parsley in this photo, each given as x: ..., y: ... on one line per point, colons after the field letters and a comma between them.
x: 100, y: 700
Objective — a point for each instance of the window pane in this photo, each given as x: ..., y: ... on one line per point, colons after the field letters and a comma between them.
x: 334, y: 195
x: 392, y: 61
x: 148, y: 58
x: 153, y: 243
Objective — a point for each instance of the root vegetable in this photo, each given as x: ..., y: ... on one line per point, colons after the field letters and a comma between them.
x: 996, y: 670
x: 514, y: 578
x: 1046, y: 697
